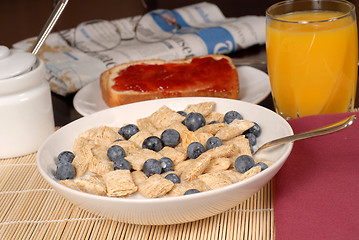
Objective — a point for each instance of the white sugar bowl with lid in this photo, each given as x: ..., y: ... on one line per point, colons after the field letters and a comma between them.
x: 26, y: 114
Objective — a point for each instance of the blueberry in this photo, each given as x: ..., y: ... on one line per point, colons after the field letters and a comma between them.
x: 154, y: 143
x: 116, y: 152
x: 65, y: 156
x: 65, y: 170
x: 251, y: 148
x: 128, y: 131
x: 170, y: 137
x: 262, y: 164
x: 195, y: 149
x: 194, y: 121
x: 191, y: 191
x: 243, y: 163
x: 213, y: 142
x: 213, y: 122
x: 122, y: 164
x: 252, y: 139
x: 256, y: 130
x: 173, y: 177
x: 182, y: 113
x: 231, y: 115
x: 166, y: 164
x: 151, y: 166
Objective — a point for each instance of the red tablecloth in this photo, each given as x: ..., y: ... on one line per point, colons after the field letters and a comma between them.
x: 316, y: 193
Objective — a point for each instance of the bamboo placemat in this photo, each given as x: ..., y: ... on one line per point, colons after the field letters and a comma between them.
x: 31, y: 209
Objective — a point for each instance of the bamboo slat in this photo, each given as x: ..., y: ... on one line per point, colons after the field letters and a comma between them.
x: 31, y: 209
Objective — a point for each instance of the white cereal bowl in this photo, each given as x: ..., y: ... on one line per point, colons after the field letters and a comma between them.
x: 174, y: 210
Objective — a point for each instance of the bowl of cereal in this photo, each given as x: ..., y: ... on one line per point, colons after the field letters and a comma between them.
x: 165, y: 161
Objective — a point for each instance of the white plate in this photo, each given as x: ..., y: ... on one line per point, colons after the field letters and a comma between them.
x: 254, y: 86
x: 170, y: 210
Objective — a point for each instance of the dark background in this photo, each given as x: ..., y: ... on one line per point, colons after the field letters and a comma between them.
x: 20, y: 19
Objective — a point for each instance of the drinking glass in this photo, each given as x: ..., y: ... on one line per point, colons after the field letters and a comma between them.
x: 312, y: 54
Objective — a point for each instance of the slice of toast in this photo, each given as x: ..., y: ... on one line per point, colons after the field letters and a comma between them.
x: 204, y: 76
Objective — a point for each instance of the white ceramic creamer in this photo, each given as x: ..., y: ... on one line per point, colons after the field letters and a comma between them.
x: 26, y: 114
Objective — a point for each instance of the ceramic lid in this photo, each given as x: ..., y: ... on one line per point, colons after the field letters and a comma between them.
x: 14, y: 62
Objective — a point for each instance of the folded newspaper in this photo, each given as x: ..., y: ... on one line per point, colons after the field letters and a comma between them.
x: 69, y: 69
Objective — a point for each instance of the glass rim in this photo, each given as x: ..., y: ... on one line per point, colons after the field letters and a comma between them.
x: 290, y: 2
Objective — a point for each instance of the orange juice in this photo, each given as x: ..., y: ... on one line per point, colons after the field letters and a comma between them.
x: 312, y: 66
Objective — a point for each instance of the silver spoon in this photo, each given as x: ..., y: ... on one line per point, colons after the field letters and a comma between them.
x: 248, y: 61
x: 50, y: 23
x: 312, y: 133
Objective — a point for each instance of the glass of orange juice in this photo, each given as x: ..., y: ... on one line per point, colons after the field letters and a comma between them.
x: 312, y: 54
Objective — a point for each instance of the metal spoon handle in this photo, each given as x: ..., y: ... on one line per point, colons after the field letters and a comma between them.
x: 50, y: 23
x: 312, y: 133
x: 248, y: 61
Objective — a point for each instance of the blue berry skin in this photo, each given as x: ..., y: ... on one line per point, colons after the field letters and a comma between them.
x: 121, y: 164
x: 194, y: 121
x: 213, y: 122
x: 154, y: 143
x: 116, y: 152
x: 174, y: 178
x: 191, y: 191
x: 65, y: 156
x: 256, y: 130
x: 151, y: 167
x: 170, y: 137
x: 243, y: 163
x: 195, y: 149
x: 166, y: 164
x: 128, y: 131
x: 252, y: 139
x: 262, y: 164
x: 231, y: 115
x: 64, y: 171
x: 213, y: 142
x: 182, y: 113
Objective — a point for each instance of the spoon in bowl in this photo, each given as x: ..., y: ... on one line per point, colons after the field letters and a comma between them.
x: 312, y: 133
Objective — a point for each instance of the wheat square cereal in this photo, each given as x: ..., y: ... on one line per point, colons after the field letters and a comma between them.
x: 91, y: 185
x: 234, y: 129
x: 102, y: 135
x: 128, y: 146
x: 138, y: 158
x: 164, y: 117
x: 251, y: 172
x: 139, y: 137
x: 139, y: 177
x: 70, y: 184
x: 155, y: 186
x: 242, y: 145
x: 119, y: 183
x: 175, y: 155
x: 211, y: 128
x: 204, y: 108
x: 214, y: 116
x: 82, y: 160
x: 233, y: 175
x: 196, y: 167
x: 215, y: 180
x: 218, y: 164
x: 146, y: 124
x: 180, y: 167
x: 100, y: 166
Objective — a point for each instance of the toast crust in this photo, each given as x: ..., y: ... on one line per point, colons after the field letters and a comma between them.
x: 114, y: 98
